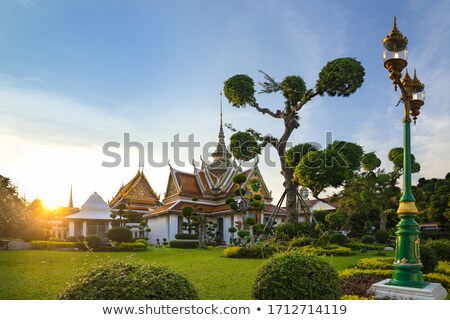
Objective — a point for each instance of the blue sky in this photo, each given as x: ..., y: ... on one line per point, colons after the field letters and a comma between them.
x: 77, y: 74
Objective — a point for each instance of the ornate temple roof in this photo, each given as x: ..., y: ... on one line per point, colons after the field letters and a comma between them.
x: 137, y: 194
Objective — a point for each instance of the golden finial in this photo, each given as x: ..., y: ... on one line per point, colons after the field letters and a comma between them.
x: 395, y: 41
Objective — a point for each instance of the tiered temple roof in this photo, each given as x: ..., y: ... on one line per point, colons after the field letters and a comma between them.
x: 137, y: 195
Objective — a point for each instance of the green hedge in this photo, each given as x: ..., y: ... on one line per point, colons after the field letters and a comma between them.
x: 50, y: 245
x: 247, y: 253
x: 184, y: 244
x: 359, y: 245
x: 347, y: 273
x: 443, y: 267
x: 441, y: 247
x: 331, y: 250
x: 355, y: 297
x: 186, y: 236
x: 375, y: 263
x: 439, y: 278
x: 133, y: 246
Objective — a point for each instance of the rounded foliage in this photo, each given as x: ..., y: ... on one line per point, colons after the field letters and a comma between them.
x: 350, y: 154
x: 368, y: 239
x: 296, y: 276
x: 370, y: 161
x: 250, y: 221
x: 257, y: 197
x: 293, y: 89
x: 244, y: 146
x: 239, y: 192
x: 187, y: 211
x: 242, y: 233
x: 229, y: 200
x: 381, y: 236
x: 340, y: 77
x: 429, y: 259
x: 441, y: 247
x: 239, y: 178
x: 93, y: 241
x: 239, y: 90
x: 32, y: 233
x: 120, y: 280
x: 119, y: 234
x: 234, y: 206
x: 321, y: 169
x: 232, y: 229
x: 339, y: 239
x: 296, y: 153
x: 290, y: 230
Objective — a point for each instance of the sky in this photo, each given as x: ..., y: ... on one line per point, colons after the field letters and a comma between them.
x: 78, y: 75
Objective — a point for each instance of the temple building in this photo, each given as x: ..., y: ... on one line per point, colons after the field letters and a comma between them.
x: 137, y: 195
x: 211, y: 184
x: 92, y: 219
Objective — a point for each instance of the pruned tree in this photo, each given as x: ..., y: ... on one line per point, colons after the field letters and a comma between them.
x: 340, y: 77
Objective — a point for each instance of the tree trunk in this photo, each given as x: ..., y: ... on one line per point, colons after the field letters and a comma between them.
x: 291, y: 195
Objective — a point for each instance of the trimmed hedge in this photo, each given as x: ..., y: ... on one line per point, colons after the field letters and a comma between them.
x: 132, y: 246
x: 375, y: 263
x: 331, y: 250
x: 186, y: 236
x: 441, y: 247
x: 184, y: 244
x: 296, y: 276
x: 359, y: 245
x: 439, y: 278
x: 300, y: 242
x: 32, y: 233
x: 443, y: 267
x: 119, y: 280
x: 347, y: 273
x: 247, y: 253
x: 51, y: 245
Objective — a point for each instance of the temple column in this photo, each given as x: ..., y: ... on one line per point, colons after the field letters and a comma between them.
x: 84, y: 229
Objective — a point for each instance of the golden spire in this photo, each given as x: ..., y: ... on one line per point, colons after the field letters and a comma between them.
x: 71, y: 198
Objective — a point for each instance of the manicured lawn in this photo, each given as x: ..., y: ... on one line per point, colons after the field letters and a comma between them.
x: 42, y: 274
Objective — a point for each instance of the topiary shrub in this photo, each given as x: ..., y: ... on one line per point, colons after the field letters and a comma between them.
x: 295, y: 276
x: 331, y: 250
x: 339, y: 239
x: 51, y: 245
x: 368, y: 239
x: 381, y: 236
x: 375, y: 263
x: 119, y: 234
x: 186, y: 236
x: 429, y: 259
x: 248, y: 253
x: 132, y: 246
x: 32, y: 233
x: 184, y: 244
x: 441, y: 247
x: 93, y: 241
x: 289, y: 230
x: 300, y: 242
x: 122, y: 280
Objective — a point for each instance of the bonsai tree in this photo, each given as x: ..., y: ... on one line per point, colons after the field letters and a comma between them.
x: 144, y: 229
x: 250, y: 203
x: 201, y: 222
x: 188, y: 225
x: 340, y: 77
x: 119, y: 234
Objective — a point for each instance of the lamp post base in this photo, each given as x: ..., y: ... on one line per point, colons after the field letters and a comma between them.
x: 382, y: 290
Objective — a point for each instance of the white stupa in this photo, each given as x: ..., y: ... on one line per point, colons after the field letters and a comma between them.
x: 93, y: 218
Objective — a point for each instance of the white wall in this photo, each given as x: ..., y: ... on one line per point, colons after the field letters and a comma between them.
x: 159, y: 228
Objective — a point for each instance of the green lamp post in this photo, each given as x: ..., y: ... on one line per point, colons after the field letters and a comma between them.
x: 407, y: 262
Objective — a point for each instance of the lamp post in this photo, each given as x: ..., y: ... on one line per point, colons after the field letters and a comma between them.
x: 407, y: 262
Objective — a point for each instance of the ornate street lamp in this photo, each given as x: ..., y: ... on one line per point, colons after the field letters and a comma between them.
x: 407, y: 262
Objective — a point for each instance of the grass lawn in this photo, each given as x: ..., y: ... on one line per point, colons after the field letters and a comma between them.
x: 39, y: 275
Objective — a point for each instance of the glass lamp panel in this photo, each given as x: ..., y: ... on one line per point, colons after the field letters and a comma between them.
x: 419, y: 96
x: 388, y: 55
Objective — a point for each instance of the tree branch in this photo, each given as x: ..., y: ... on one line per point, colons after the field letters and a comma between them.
x: 277, y: 115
